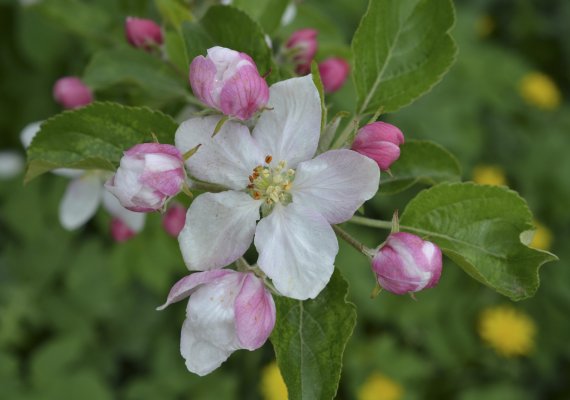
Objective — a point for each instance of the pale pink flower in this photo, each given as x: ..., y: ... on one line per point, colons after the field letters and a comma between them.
x: 405, y: 264
x: 174, y: 219
x: 272, y: 172
x: 227, y: 311
x: 381, y: 142
x: 85, y: 193
x: 71, y: 92
x: 303, y: 44
x: 334, y: 72
x: 120, y: 231
x: 143, y: 33
x: 149, y: 175
x: 229, y: 82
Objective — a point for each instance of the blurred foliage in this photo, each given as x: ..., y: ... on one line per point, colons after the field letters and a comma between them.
x: 77, y: 315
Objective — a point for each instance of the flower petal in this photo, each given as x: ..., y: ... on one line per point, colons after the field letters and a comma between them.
x: 254, y: 313
x: 227, y: 159
x: 336, y: 183
x: 208, y: 334
x: 297, y: 248
x: 80, y: 201
x: 134, y: 220
x: 29, y: 133
x: 290, y: 129
x: 185, y: 286
x: 219, y: 229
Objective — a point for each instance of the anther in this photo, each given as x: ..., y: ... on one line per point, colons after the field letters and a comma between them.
x: 268, y: 159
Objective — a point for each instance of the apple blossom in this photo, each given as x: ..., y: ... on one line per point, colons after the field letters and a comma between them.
x: 303, y: 45
x: 227, y: 311
x: 11, y: 164
x: 381, y: 142
x: 85, y: 193
x: 143, y: 33
x: 149, y: 174
x: 71, y: 92
x: 334, y: 72
x: 405, y: 264
x: 271, y: 172
x: 120, y: 231
x: 229, y: 82
x: 174, y: 219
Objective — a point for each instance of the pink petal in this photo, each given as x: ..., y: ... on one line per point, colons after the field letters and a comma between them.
x: 244, y: 93
x: 202, y: 78
x: 254, y: 313
x: 185, y: 286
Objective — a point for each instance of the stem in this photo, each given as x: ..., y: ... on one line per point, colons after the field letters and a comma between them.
x: 347, y: 237
x: 374, y: 223
x: 194, y: 101
x: 345, y: 134
x: 207, y: 187
x: 242, y: 265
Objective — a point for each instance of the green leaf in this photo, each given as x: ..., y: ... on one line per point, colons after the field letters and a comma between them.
x: 176, y: 50
x: 402, y: 48
x: 421, y: 161
x: 94, y: 137
x: 125, y: 65
x: 309, y: 340
x: 78, y: 17
x: 174, y: 12
x: 267, y: 12
x: 234, y: 29
x: 316, y: 75
x: 196, y: 39
x: 479, y: 227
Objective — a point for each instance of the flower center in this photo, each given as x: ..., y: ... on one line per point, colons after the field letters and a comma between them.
x: 271, y: 184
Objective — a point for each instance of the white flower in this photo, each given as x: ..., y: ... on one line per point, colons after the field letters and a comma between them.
x: 11, y: 164
x: 85, y: 193
x: 227, y: 311
x: 271, y: 170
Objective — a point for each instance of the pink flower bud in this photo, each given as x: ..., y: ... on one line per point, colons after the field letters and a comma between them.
x: 121, y: 231
x: 229, y: 81
x: 143, y: 33
x: 149, y: 174
x: 71, y: 92
x: 407, y: 264
x: 304, y: 45
x: 174, y: 219
x: 334, y: 72
x: 379, y: 141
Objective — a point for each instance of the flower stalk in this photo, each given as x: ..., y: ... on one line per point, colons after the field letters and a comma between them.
x: 347, y: 237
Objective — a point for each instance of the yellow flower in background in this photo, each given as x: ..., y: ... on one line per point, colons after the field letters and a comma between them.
x: 540, y: 91
x: 272, y: 384
x: 380, y: 387
x: 508, y: 331
x: 484, y: 26
x: 542, y: 238
x: 489, y: 175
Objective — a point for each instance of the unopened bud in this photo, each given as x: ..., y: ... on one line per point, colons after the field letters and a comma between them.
x: 71, y: 92
x: 149, y: 174
x: 379, y: 141
x: 407, y: 264
x: 334, y: 72
x: 120, y: 231
x: 143, y: 33
x: 303, y: 44
x: 228, y: 81
x: 174, y: 219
